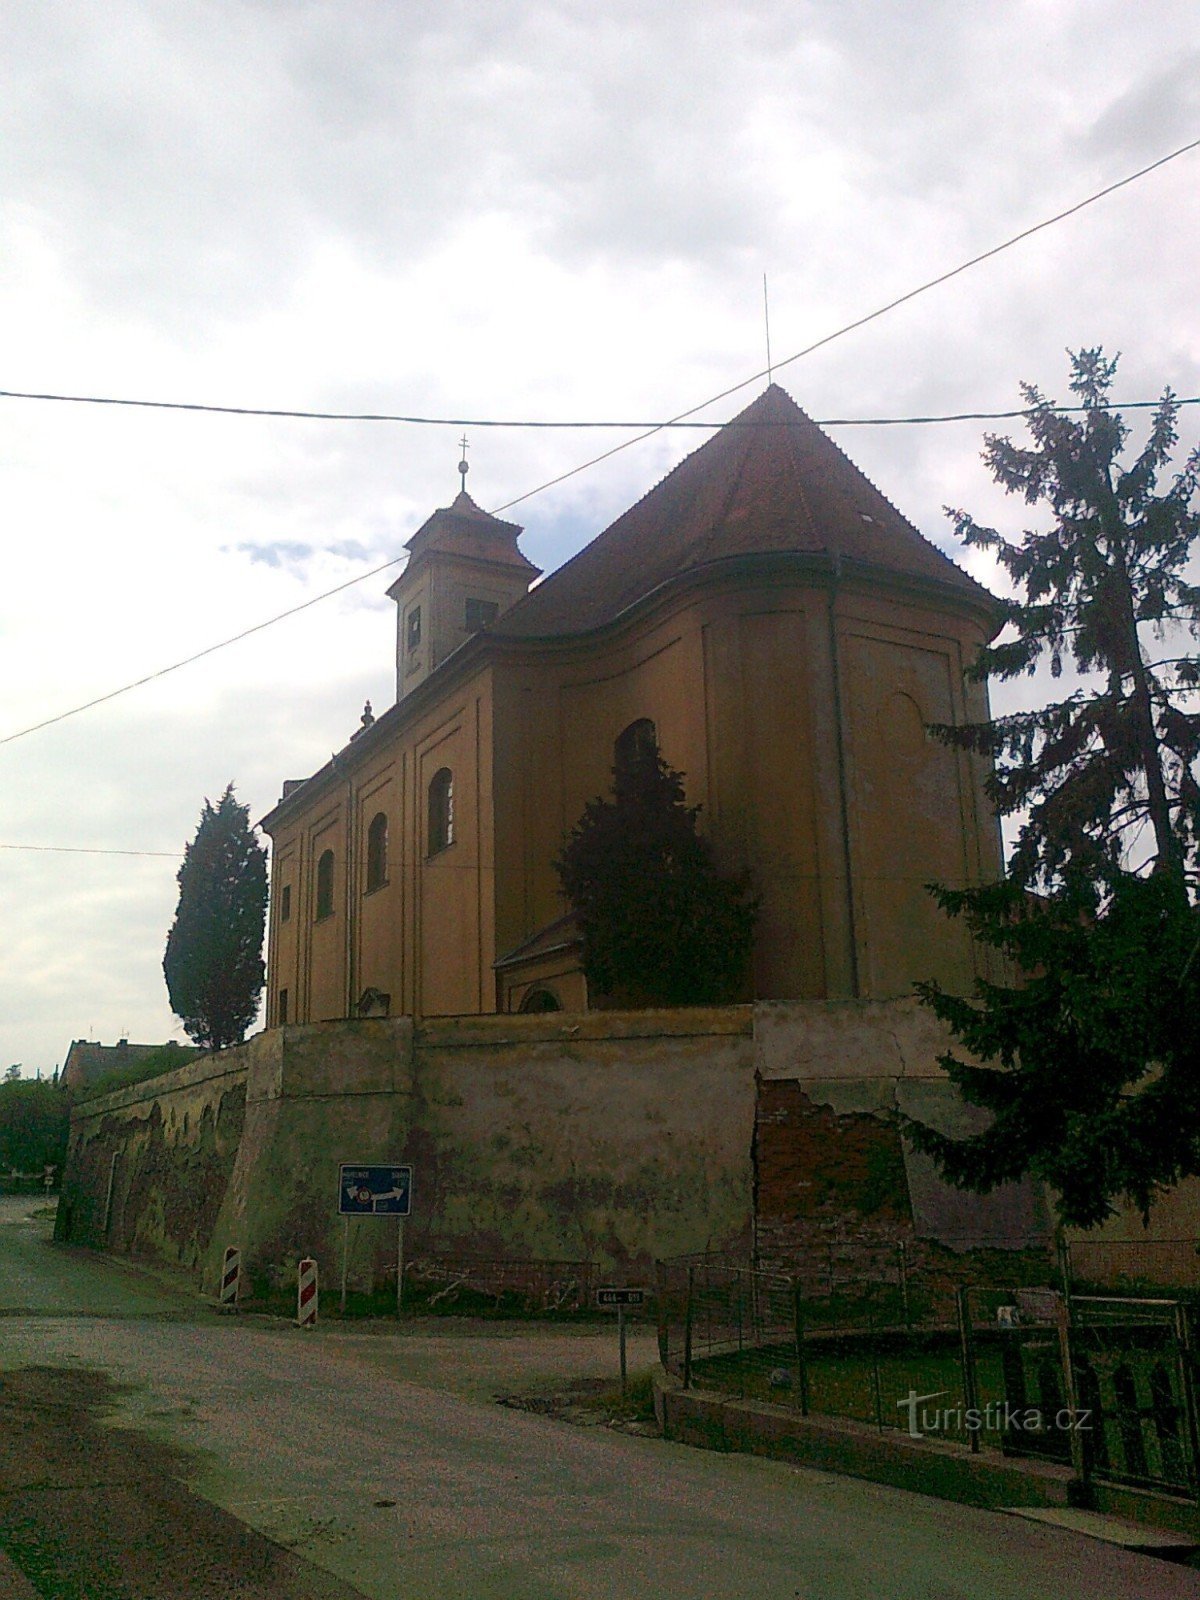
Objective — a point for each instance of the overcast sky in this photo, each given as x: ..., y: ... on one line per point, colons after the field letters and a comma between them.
x: 504, y: 210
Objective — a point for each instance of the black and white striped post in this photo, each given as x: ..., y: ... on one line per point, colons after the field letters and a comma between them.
x: 231, y: 1277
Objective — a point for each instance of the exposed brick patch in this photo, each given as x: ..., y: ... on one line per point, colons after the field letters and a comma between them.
x: 832, y: 1209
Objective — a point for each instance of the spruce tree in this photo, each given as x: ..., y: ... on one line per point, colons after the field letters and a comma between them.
x: 1091, y: 1049
x: 213, y: 962
x: 660, y: 925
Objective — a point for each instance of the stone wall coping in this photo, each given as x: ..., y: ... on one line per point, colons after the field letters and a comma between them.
x: 231, y: 1063
x: 557, y: 1027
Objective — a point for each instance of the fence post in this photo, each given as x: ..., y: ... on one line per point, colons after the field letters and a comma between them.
x: 687, y: 1329
x: 903, y: 1249
x: 877, y: 1394
x: 801, y: 1354
x: 1064, y: 1268
x: 662, y: 1313
x: 1187, y: 1374
x: 967, y: 1346
x: 1080, y: 1462
x: 741, y: 1306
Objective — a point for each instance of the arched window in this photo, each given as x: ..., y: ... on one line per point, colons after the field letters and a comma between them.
x: 638, y: 741
x: 377, y: 861
x: 325, y: 885
x: 441, y: 810
x: 540, y: 1000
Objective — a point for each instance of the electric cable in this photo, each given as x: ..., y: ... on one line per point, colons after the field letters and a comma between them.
x: 584, y: 466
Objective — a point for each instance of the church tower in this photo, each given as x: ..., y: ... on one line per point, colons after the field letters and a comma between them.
x: 464, y: 571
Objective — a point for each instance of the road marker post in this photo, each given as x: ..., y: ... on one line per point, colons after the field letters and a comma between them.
x: 231, y: 1278
x: 620, y: 1299
x: 306, y: 1293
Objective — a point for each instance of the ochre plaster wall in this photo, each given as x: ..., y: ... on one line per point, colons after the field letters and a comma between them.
x: 797, y: 713
x: 795, y: 707
x: 1128, y: 1253
x: 425, y: 936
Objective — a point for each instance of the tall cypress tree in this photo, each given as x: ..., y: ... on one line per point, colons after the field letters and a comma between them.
x: 213, y: 962
x: 1092, y: 1052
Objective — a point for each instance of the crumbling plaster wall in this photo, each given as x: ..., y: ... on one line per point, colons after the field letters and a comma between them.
x: 610, y: 1136
x: 834, y: 1173
x: 615, y: 1136
x: 147, y: 1166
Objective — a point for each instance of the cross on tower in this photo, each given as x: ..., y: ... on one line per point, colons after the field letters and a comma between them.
x: 462, y: 465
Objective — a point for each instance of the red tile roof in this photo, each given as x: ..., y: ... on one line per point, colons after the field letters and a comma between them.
x: 770, y: 481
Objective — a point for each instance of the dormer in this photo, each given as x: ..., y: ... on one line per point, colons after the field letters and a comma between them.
x: 464, y: 571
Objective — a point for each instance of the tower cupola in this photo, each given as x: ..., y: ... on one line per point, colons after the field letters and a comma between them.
x: 464, y: 571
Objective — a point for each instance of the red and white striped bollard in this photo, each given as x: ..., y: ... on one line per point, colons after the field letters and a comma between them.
x: 306, y: 1294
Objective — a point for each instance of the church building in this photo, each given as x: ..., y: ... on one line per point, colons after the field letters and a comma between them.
x: 763, y: 614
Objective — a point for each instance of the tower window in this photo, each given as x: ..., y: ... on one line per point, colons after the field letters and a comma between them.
x: 325, y: 885
x: 283, y: 1008
x: 441, y: 810
x: 285, y: 903
x: 413, y: 633
x: 377, y: 850
x: 480, y: 613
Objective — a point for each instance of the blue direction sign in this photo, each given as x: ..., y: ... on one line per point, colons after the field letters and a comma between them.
x: 365, y: 1191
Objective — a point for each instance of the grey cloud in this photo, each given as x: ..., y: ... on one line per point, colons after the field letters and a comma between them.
x: 1158, y: 110
x: 280, y: 553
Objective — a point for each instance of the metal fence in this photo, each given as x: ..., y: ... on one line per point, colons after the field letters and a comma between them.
x: 1105, y: 1384
x: 840, y: 1346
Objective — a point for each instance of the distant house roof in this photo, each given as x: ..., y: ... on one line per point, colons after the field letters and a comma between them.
x: 87, y: 1062
x: 770, y: 481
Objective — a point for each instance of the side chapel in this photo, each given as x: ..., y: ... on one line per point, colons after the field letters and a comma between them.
x: 765, y: 615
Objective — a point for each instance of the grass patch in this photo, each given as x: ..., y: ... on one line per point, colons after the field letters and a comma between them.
x: 848, y: 1379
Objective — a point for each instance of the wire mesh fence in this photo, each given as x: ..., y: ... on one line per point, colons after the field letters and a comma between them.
x: 836, y: 1345
x: 1105, y: 1385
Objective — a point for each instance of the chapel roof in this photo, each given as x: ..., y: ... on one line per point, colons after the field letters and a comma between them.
x: 769, y: 481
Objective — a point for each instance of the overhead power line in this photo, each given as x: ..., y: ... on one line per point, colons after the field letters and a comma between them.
x: 86, y: 850
x: 871, y: 316
x: 649, y: 431
x: 577, y: 424
x: 48, y: 722
x: 682, y: 420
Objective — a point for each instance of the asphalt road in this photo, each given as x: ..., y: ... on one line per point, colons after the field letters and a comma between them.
x: 381, y: 1458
